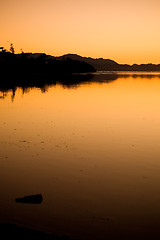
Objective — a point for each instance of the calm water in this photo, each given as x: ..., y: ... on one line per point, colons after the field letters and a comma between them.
x: 91, y: 150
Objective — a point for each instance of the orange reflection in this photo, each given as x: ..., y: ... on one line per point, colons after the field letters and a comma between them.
x: 92, y: 151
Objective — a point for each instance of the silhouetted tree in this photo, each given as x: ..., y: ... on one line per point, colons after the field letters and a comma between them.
x: 22, y: 51
x: 12, y: 48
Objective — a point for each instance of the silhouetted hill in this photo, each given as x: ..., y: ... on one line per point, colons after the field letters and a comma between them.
x: 73, y: 63
x: 36, y: 69
x: 40, y: 64
x: 101, y: 64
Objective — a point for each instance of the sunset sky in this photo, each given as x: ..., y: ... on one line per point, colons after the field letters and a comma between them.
x: 126, y: 31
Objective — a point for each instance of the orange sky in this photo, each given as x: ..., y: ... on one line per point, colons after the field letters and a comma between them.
x: 123, y: 30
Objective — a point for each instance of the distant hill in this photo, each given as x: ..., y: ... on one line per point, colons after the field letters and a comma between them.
x: 101, y: 64
x: 40, y: 64
x: 70, y: 63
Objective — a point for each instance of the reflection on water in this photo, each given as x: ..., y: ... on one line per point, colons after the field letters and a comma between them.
x: 91, y: 151
x: 71, y: 81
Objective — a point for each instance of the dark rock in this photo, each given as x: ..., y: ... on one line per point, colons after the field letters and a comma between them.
x: 32, y: 199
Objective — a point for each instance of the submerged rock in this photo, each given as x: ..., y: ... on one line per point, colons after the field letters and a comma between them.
x: 33, y: 199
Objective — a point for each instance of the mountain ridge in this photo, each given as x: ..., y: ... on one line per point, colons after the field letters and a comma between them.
x: 101, y: 64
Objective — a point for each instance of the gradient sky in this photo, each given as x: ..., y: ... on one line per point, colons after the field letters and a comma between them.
x: 126, y: 31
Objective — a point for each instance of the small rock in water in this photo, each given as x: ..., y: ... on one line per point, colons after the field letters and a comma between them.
x: 33, y: 199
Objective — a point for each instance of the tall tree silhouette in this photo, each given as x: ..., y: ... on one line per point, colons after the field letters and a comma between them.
x: 12, y: 48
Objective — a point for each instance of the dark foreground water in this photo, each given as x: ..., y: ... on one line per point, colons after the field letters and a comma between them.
x: 92, y: 151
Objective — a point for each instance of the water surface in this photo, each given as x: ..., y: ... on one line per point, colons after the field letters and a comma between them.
x: 93, y: 152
